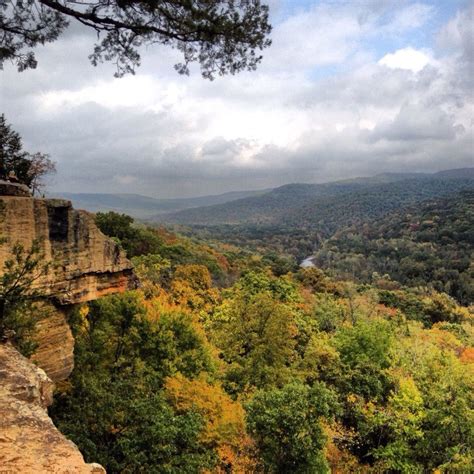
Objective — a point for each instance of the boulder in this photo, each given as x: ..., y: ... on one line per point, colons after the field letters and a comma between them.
x: 29, y: 441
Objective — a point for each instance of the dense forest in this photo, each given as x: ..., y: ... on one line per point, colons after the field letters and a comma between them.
x: 298, y: 218
x: 296, y: 329
x: 326, y: 205
x: 428, y: 245
x: 226, y: 360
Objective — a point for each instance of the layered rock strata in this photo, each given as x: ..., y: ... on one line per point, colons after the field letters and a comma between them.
x: 82, y: 265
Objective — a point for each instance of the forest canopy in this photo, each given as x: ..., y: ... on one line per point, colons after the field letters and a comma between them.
x: 224, y: 362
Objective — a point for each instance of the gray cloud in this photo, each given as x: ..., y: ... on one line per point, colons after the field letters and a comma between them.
x: 165, y: 135
x: 418, y: 122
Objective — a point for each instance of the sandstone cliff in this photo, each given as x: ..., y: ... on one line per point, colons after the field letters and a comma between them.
x: 85, y: 265
x: 29, y: 441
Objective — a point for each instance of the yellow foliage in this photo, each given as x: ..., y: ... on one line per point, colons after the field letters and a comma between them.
x: 225, y: 426
x: 443, y: 339
x: 407, y: 408
x: 192, y: 287
x: 339, y: 459
x: 162, y: 303
x: 352, y: 398
x: 319, y: 356
x: 83, y: 313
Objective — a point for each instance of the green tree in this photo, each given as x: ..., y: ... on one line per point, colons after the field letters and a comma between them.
x: 12, y: 156
x: 447, y: 388
x: 135, y: 240
x: 286, y: 425
x: 257, y: 340
x: 363, y: 383
x: 222, y: 36
x: 114, y: 406
x: 365, y: 354
x: 18, y: 311
x: 29, y: 169
x: 402, y: 421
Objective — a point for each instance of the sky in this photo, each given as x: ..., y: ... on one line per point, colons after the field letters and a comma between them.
x: 348, y: 88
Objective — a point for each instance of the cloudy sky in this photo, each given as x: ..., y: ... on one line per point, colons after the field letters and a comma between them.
x: 348, y: 88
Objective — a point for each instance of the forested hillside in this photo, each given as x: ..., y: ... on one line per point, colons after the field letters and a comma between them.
x: 299, y: 231
x: 429, y: 245
x: 218, y: 364
x: 326, y: 206
x: 277, y: 322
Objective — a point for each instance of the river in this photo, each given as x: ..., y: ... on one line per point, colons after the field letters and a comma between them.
x: 307, y: 263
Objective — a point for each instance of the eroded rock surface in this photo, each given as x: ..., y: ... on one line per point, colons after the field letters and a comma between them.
x: 29, y: 441
x: 55, y: 343
x: 84, y: 265
x: 13, y: 189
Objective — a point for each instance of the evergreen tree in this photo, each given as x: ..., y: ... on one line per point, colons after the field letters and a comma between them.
x: 29, y: 169
x: 222, y: 36
x: 12, y: 155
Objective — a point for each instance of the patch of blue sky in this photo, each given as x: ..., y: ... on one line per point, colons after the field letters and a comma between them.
x: 323, y: 72
x: 442, y: 12
x: 286, y: 8
x: 383, y: 40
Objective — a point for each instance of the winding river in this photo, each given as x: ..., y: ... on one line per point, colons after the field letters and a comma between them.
x: 307, y: 262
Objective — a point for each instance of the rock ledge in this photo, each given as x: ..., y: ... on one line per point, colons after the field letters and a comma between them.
x: 29, y: 441
x: 84, y: 265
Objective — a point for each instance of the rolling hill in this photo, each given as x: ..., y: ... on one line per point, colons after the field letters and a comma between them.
x: 142, y: 207
x: 430, y: 244
x: 310, y: 204
x: 296, y: 218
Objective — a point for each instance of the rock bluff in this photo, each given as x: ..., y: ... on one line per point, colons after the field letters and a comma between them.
x: 84, y: 265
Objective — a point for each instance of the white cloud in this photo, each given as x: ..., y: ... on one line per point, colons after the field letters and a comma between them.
x: 410, y: 17
x: 322, y: 35
x: 365, y: 124
x: 125, y: 179
x: 320, y: 107
x: 131, y: 91
x: 458, y: 33
x: 407, y: 58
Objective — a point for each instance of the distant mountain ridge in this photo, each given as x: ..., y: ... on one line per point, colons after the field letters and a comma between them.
x: 311, y: 204
x: 236, y: 207
x: 140, y: 206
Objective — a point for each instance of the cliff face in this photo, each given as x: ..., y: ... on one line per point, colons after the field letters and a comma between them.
x: 29, y: 441
x: 84, y: 265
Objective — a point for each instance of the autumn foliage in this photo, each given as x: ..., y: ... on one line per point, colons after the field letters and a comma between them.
x: 238, y: 368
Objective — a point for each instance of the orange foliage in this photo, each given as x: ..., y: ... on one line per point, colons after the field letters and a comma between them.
x: 167, y: 236
x: 340, y: 460
x: 443, y: 339
x: 192, y: 287
x: 225, y: 426
x: 467, y: 356
x: 162, y: 303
